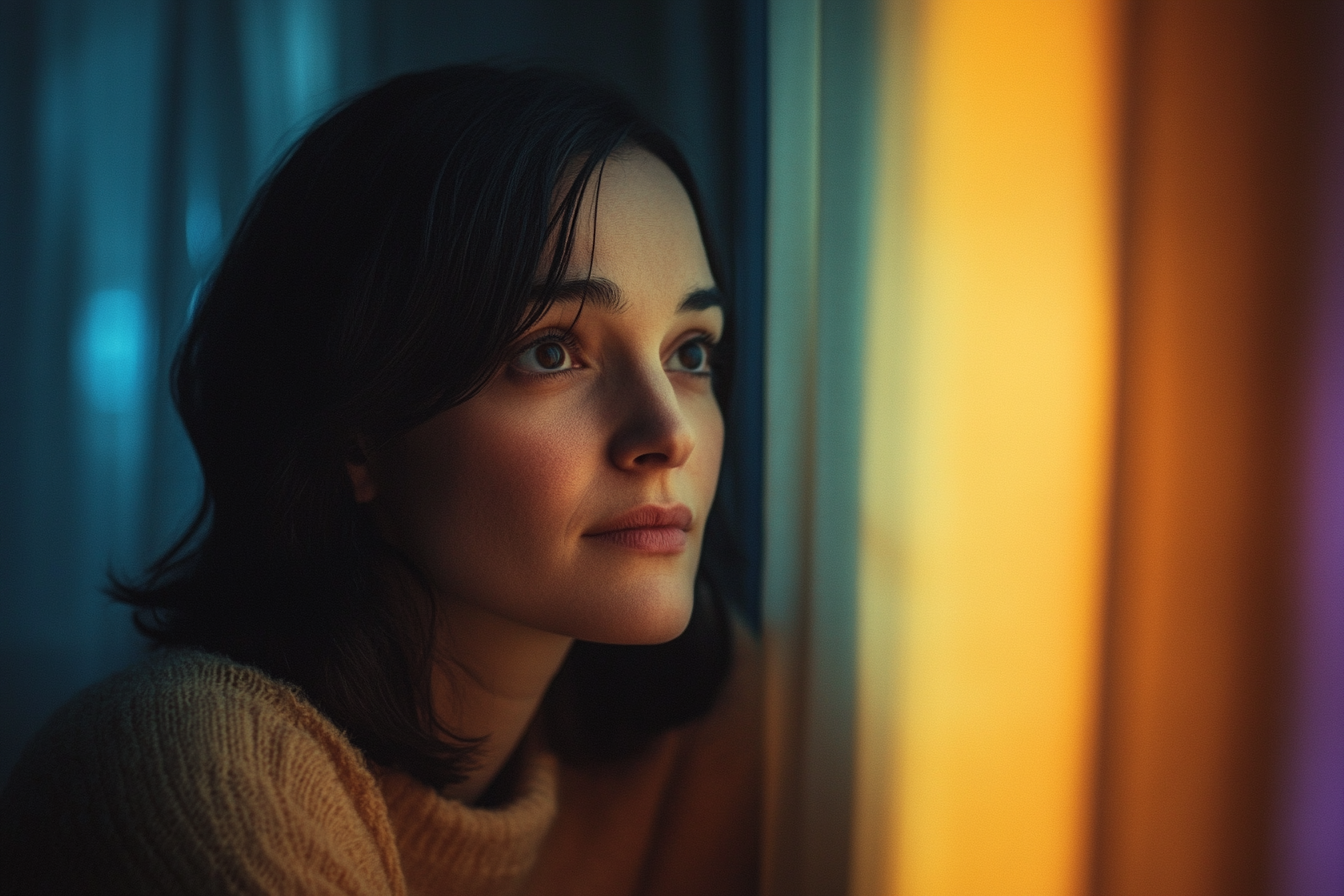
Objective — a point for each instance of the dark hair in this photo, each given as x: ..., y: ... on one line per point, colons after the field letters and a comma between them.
x: 377, y: 278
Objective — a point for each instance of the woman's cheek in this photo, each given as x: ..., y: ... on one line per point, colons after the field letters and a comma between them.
x: 520, y: 482
x: 541, y: 460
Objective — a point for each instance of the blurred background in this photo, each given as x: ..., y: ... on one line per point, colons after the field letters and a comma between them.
x: 1039, y: 434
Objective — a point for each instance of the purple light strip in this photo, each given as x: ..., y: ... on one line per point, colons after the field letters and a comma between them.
x: 1311, y: 848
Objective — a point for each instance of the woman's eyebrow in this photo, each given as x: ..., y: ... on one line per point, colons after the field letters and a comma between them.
x: 597, y: 291
x: 702, y: 299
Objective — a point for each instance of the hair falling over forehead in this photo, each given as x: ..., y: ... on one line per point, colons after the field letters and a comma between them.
x: 379, y: 276
x: 562, y: 230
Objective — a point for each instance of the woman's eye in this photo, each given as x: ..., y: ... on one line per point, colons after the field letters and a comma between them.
x: 550, y: 356
x: 691, y: 357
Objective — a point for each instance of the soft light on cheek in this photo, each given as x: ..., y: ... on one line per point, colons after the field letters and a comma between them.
x: 513, y: 488
x: 536, y: 463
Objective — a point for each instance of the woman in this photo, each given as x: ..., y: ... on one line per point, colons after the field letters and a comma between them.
x: 443, y: 623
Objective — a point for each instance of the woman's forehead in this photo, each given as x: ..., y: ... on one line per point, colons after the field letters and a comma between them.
x: 637, y: 219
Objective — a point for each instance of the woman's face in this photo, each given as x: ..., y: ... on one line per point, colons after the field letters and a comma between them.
x: 570, y: 494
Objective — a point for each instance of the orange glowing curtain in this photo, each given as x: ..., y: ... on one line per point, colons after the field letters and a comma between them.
x: 1218, y: 190
x: 1085, y: 344
x: 986, y: 448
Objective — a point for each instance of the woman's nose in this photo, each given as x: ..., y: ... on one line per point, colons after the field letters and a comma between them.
x: 652, y: 431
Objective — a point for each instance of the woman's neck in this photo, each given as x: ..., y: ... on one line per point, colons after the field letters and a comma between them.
x: 488, y: 680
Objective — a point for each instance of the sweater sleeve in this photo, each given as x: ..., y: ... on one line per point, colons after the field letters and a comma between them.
x: 191, y: 774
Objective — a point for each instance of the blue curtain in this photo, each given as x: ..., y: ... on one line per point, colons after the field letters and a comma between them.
x: 131, y: 135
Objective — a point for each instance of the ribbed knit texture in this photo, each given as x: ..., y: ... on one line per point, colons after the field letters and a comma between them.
x: 482, y: 851
x: 193, y: 774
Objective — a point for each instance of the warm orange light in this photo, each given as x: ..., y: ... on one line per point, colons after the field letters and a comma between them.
x: 987, y: 429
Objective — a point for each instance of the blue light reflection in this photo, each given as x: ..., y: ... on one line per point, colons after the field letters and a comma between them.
x: 111, y: 350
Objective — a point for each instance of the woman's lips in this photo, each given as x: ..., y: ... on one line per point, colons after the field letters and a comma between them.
x: 650, y: 539
x: 651, y: 528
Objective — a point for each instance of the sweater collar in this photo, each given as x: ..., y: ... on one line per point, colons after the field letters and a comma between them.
x: 449, y: 847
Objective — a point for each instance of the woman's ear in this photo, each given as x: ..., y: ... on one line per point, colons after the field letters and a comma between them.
x: 361, y: 476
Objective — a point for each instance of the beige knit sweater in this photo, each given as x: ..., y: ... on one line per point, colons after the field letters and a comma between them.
x: 193, y: 774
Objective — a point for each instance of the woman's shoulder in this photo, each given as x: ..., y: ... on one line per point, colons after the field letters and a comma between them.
x: 174, y: 719
x: 193, y: 771
x: 174, y: 690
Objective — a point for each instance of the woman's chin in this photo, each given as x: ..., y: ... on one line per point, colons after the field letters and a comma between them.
x: 651, y: 618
